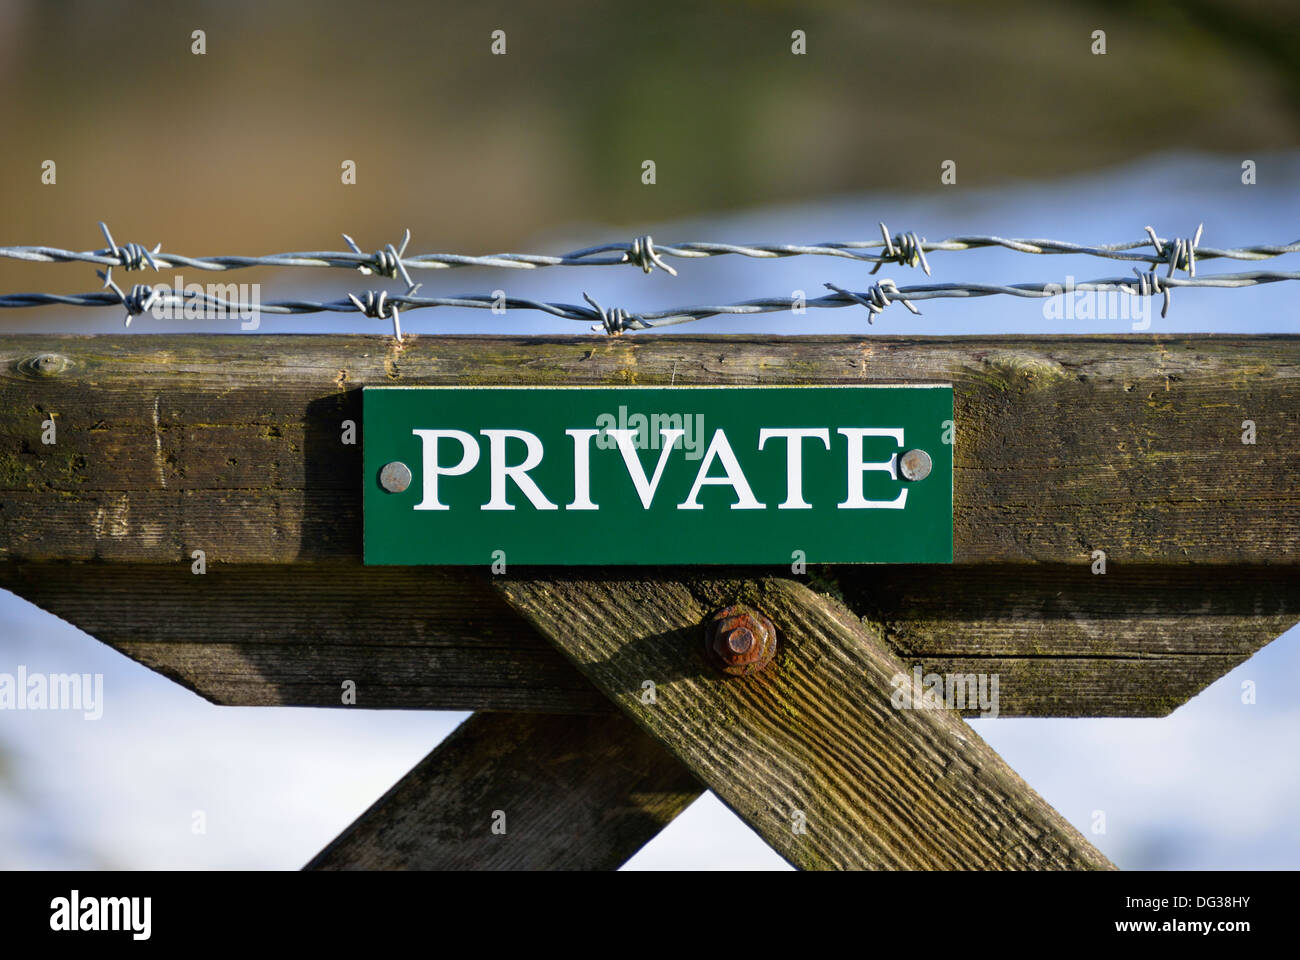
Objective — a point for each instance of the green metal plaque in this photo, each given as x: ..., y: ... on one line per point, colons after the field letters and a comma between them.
x: 658, y: 475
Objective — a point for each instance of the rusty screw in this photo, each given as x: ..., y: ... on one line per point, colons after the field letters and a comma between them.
x: 739, y: 640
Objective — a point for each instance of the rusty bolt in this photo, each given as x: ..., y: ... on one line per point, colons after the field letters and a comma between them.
x: 739, y: 640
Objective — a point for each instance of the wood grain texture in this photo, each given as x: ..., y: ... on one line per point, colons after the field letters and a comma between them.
x: 578, y: 793
x: 286, y: 635
x: 1064, y: 445
x: 814, y: 735
x: 1136, y: 642
x: 232, y: 445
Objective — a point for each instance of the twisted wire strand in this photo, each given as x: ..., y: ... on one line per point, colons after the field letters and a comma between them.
x: 904, y: 248
x: 614, y: 321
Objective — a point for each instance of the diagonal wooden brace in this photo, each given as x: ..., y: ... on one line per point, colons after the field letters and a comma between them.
x: 810, y: 753
x: 521, y: 792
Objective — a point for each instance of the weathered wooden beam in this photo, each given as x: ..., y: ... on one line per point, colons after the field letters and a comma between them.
x: 511, y: 792
x: 1136, y: 642
x: 287, y: 635
x: 231, y: 444
x: 810, y: 753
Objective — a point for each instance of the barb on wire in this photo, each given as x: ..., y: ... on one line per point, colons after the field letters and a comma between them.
x: 383, y: 263
x: 130, y: 256
x: 877, y: 298
x: 141, y: 298
x: 907, y: 249
x: 378, y: 306
x: 617, y: 320
x: 642, y: 252
x: 386, y: 262
x: 1180, y: 253
x: 1149, y: 284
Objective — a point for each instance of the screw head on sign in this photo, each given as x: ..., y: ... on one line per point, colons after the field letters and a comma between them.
x: 395, y: 477
x: 739, y: 640
x: 915, y: 465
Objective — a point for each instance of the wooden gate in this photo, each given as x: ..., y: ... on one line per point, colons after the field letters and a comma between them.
x: 1069, y: 450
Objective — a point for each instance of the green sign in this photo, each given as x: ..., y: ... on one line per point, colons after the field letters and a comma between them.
x: 651, y: 475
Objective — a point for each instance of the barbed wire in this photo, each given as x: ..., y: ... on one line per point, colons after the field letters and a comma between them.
x: 391, y: 261
x: 906, y: 249
x: 614, y: 321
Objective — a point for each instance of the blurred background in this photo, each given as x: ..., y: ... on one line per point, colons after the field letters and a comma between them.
x: 238, y: 151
